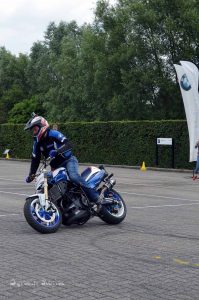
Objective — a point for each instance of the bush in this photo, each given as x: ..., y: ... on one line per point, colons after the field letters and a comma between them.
x: 117, y: 143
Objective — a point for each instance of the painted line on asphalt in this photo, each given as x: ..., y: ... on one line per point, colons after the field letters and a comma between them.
x: 147, y: 195
x: 9, y: 215
x: 162, y: 185
x: 3, y: 192
x: 18, y: 188
x: 128, y: 193
x: 181, y: 262
x: 157, y: 196
x: 13, y: 180
x: 160, y: 206
x: 178, y: 261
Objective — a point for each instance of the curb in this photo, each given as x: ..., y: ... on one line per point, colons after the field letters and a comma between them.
x: 147, y: 168
x: 117, y: 166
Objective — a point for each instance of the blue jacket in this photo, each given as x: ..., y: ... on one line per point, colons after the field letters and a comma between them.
x: 53, y: 140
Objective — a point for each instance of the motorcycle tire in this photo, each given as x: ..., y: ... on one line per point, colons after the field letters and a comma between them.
x: 112, y: 214
x: 41, y: 220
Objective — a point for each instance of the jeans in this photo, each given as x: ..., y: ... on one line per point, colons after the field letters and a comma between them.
x: 197, y: 166
x: 72, y: 169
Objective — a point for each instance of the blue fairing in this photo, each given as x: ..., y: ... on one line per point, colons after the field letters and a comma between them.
x: 86, y: 173
x: 95, y: 178
x: 61, y: 176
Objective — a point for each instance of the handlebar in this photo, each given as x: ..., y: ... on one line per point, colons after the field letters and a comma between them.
x: 45, y: 163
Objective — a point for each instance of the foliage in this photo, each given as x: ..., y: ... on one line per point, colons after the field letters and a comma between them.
x: 118, y: 143
x: 120, y: 67
x: 21, y: 111
x: 13, y: 84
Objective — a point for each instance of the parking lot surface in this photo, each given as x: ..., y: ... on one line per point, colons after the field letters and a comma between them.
x: 153, y: 254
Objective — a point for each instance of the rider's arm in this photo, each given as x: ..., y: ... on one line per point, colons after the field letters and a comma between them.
x: 36, y: 157
x: 67, y: 146
x: 62, y: 144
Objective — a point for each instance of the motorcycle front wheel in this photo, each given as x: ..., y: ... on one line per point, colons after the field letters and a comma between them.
x: 113, y: 213
x: 44, y: 221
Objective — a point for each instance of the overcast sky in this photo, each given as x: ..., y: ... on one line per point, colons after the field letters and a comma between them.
x: 23, y: 22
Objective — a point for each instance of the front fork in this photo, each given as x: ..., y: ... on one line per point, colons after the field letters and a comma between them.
x: 44, y: 197
x: 45, y: 185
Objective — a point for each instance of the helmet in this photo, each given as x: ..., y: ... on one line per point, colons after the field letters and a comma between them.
x: 37, y: 121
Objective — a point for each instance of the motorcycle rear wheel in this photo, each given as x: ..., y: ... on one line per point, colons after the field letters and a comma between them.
x: 41, y: 220
x: 113, y: 214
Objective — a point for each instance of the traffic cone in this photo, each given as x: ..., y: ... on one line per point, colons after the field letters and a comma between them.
x: 143, y: 167
x: 7, y: 156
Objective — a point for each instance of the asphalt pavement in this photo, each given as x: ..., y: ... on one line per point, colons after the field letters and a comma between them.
x: 153, y: 254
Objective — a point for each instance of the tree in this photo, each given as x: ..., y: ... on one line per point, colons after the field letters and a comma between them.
x: 120, y: 67
x: 61, y: 98
x: 13, y: 81
x: 21, y: 111
x: 160, y: 33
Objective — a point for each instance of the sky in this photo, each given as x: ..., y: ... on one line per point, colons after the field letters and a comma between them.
x: 23, y: 22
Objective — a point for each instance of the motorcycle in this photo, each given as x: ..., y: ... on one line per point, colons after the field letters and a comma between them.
x: 59, y: 201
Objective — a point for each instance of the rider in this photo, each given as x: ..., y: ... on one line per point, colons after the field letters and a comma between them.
x: 52, y: 143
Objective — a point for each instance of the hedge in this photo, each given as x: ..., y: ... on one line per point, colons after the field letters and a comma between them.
x: 117, y: 143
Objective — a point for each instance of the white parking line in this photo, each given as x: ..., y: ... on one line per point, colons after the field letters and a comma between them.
x: 18, y: 188
x: 160, y: 206
x: 14, y: 180
x: 9, y: 215
x: 3, y: 192
x: 157, y: 196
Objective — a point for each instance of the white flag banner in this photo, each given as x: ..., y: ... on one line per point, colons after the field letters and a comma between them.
x: 188, y: 76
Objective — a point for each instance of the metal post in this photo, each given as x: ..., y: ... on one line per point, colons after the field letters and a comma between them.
x: 156, y: 156
x: 172, y: 150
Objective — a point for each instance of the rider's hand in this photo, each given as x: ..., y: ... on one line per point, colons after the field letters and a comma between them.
x: 30, y: 178
x: 53, y: 153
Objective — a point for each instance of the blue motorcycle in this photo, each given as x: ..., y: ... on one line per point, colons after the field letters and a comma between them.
x: 59, y: 201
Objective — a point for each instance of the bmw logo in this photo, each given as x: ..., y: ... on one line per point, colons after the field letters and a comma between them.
x: 184, y: 82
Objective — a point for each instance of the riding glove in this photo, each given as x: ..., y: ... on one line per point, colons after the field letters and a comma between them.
x: 30, y: 178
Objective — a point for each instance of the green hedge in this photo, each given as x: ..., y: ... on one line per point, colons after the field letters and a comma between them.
x: 125, y: 143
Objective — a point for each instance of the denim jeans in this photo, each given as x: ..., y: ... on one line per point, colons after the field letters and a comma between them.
x: 197, y: 166
x: 72, y: 169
